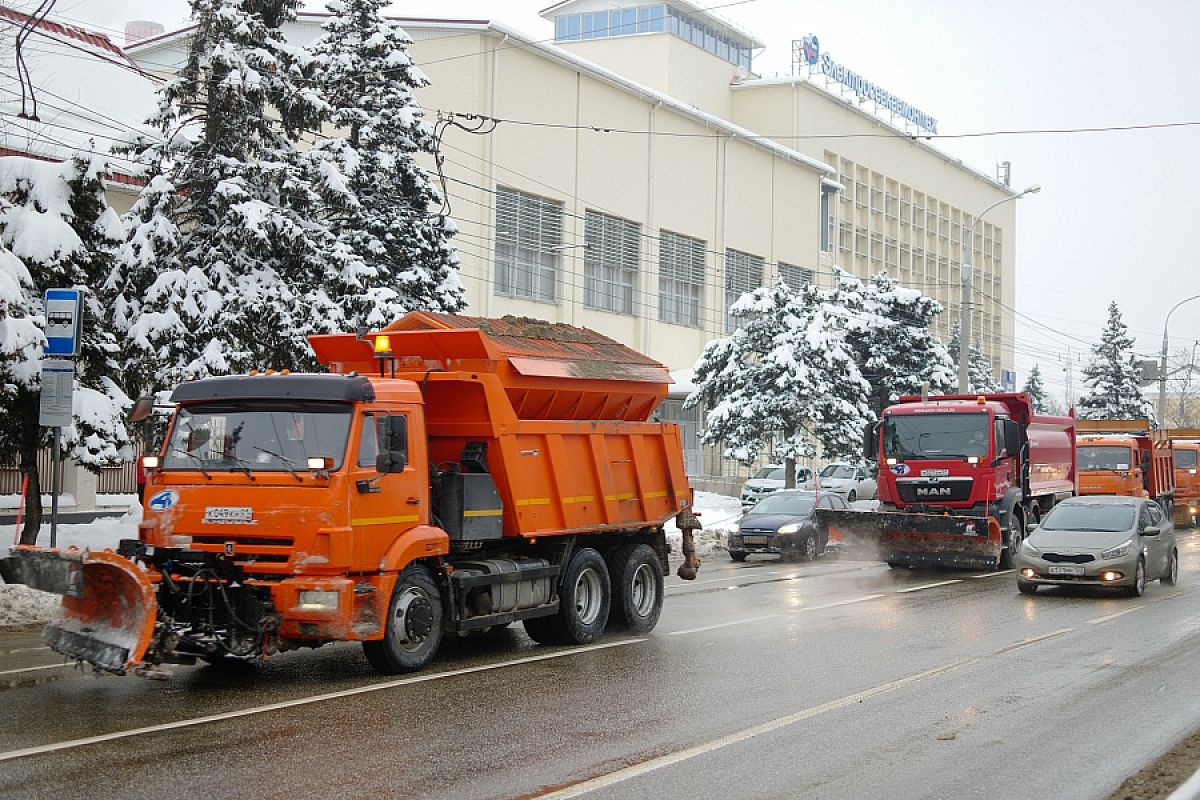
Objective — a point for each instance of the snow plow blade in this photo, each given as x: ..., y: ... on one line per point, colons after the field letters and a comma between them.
x: 916, y: 540
x: 108, y: 610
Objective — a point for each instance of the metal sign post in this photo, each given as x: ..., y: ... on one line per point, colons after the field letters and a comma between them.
x: 64, y: 325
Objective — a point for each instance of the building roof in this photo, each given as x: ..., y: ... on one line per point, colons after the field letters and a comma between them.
x: 689, y: 7
x: 567, y: 59
x: 89, y: 95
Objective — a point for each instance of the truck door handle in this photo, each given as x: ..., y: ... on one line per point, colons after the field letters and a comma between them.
x: 413, y: 501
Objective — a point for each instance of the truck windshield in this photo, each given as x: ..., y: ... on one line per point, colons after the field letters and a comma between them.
x: 909, y: 437
x: 261, y: 436
x: 1095, y: 458
x: 1185, y: 459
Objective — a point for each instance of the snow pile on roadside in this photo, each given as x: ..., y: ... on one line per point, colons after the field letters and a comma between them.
x: 716, y: 511
x: 22, y: 607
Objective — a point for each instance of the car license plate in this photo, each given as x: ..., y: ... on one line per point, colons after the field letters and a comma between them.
x: 756, y: 539
x: 1066, y: 569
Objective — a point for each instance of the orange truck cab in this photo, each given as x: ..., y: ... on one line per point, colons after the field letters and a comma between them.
x: 1126, y: 457
x: 1186, y: 445
x: 450, y: 474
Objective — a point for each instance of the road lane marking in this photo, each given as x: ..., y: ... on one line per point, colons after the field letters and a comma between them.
x: 1008, y: 648
x: 994, y: 574
x: 25, y: 650
x: 840, y: 603
x: 32, y: 669
x: 1107, y: 617
x: 722, y: 625
x: 637, y: 770
x: 71, y: 744
x: 928, y: 586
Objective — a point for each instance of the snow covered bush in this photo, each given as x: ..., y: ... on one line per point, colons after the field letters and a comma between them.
x: 57, y: 231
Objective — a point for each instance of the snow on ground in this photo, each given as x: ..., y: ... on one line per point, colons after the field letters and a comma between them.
x: 22, y: 607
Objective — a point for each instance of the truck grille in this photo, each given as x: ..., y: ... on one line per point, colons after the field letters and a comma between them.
x: 922, y: 490
x: 257, y: 555
x: 1061, y: 558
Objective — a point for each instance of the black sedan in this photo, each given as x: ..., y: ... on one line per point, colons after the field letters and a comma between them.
x: 782, y: 524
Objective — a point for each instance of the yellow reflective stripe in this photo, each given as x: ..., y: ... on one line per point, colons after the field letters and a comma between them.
x: 534, y: 501
x: 486, y: 512
x: 384, y: 520
x: 622, y: 496
x: 655, y: 494
x: 581, y: 499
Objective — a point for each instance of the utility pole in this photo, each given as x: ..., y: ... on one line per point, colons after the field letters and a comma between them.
x: 1162, y: 364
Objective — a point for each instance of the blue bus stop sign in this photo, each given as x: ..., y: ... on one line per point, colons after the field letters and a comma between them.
x: 64, y: 321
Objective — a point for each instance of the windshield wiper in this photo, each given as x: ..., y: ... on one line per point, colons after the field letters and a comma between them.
x: 288, y: 464
x: 243, y: 465
x: 199, y: 461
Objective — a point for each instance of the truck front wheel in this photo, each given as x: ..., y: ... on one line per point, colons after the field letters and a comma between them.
x: 637, y: 587
x: 414, y: 625
x: 1012, y: 539
x: 584, y: 600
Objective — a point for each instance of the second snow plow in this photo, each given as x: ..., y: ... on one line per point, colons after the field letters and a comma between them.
x: 961, y: 477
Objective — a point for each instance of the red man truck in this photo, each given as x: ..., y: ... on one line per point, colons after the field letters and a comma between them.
x: 960, y: 478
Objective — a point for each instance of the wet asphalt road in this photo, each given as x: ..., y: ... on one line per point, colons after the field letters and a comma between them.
x: 837, y: 679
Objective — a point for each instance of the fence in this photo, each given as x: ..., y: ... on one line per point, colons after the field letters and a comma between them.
x: 119, y: 479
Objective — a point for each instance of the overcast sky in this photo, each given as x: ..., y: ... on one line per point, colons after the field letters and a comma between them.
x: 1118, y: 217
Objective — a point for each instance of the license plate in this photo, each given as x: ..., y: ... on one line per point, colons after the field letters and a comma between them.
x: 1066, y: 569
x: 756, y: 539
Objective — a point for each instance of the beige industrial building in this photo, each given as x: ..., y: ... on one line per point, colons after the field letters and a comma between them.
x: 641, y: 176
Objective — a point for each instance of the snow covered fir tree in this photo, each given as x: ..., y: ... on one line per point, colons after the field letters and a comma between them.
x: 1035, y: 387
x: 56, y: 230
x: 1112, y: 376
x: 980, y: 374
x: 384, y: 206
x: 787, y: 375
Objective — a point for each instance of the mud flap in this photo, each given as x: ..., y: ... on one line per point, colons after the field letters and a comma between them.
x: 108, y: 609
x: 936, y: 540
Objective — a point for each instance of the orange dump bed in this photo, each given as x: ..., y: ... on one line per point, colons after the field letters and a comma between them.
x: 563, y: 412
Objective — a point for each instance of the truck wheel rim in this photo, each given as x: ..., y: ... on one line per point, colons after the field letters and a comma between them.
x: 415, y: 616
x: 587, y: 596
x: 643, y: 590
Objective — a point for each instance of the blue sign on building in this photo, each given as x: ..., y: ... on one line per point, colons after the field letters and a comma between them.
x: 1008, y: 379
x: 64, y: 321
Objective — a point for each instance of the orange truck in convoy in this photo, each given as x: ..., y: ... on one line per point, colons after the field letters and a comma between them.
x: 1126, y: 457
x: 449, y: 474
x: 1185, y: 443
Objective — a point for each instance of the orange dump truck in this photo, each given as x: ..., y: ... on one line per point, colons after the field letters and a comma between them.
x: 450, y: 474
x: 1125, y: 457
x: 1186, y: 446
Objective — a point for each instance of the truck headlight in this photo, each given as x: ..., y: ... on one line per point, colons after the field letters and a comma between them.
x: 1118, y: 551
x: 316, y: 600
x: 791, y: 527
x: 1029, y: 550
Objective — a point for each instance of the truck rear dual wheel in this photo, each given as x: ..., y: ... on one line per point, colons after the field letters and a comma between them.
x: 414, y: 624
x: 584, y: 600
x: 637, y: 588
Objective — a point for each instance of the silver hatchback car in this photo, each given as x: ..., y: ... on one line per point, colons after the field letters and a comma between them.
x: 1100, y: 541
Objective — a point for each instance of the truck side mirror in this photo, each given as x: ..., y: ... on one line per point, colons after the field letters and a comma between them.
x: 393, y: 457
x: 871, y: 441
x: 142, y: 409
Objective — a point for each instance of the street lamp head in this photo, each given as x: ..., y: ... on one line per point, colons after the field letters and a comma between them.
x: 1031, y: 190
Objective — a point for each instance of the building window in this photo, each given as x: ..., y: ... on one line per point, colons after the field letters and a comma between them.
x: 528, y: 233
x: 650, y: 19
x: 743, y: 273
x: 680, y: 278
x: 566, y: 28
x: 610, y: 264
x: 826, y: 220
x: 794, y: 276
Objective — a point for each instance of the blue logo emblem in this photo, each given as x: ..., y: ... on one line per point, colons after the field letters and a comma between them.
x: 900, y: 469
x: 164, y: 500
x: 811, y: 48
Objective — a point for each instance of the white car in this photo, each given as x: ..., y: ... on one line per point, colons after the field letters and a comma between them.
x: 848, y: 481
x: 768, y: 479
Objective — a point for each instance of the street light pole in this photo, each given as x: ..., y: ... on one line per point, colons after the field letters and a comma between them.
x: 964, y: 310
x: 1162, y: 364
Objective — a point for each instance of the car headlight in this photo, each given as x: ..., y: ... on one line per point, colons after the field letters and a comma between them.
x: 1030, y: 550
x: 789, y: 528
x: 734, y: 527
x: 1118, y: 551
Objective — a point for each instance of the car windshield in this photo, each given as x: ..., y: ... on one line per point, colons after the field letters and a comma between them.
x: 261, y: 436
x: 1094, y: 458
x: 770, y: 473
x: 1185, y: 459
x: 935, y: 436
x: 837, y: 471
x: 1089, y: 517
x: 797, y: 504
